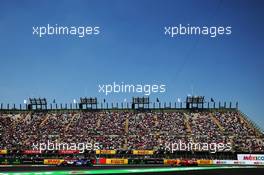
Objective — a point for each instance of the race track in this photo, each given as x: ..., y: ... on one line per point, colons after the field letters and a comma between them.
x: 136, y: 170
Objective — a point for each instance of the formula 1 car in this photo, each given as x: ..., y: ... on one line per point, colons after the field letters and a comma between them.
x: 76, y: 162
x: 179, y: 162
x: 188, y: 163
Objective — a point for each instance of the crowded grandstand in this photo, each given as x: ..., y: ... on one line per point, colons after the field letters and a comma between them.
x: 134, y: 133
x: 121, y: 130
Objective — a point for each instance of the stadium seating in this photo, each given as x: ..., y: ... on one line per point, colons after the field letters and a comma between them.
x: 122, y: 130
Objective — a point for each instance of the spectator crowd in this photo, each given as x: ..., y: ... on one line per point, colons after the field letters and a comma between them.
x: 127, y: 130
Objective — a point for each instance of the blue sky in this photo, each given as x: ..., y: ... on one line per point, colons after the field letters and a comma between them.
x: 132, y: 48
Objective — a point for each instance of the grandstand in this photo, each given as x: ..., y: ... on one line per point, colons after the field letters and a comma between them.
x: 126, y: 129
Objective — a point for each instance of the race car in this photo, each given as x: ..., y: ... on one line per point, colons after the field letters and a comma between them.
x: 180, y: 162
x: 188, y: 163
x: 76, y: 162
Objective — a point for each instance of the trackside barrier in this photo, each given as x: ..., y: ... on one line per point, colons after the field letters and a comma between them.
x: 251, y: 157
x: 204, y: 162
x: 171, y: 161
x: 3, y: 151
x: 237, y: 162
x: 23, y: 161
x: 52, y: 161
x: 177, y: 161
x: 10, y: 161
x: 117, y: 161
x: 101, y: 161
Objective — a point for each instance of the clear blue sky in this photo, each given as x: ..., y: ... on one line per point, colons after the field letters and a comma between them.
x: 132, y: 48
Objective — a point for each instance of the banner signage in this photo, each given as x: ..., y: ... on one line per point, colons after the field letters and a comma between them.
x: 105, y: 151
x: 143, y: 152
x: 251, y: 157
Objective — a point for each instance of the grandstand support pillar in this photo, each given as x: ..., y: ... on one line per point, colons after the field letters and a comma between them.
x: 208, y: 105
x: 175, y: 105
x: 133, y: 106
x: 125, y: 145
x: 236, y: 105
x: 230, y: 105
x: 214, y: 105
x: 29, y: 107
x: 154, y: 105
x: 216, y: 121
x: 1, y: 106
